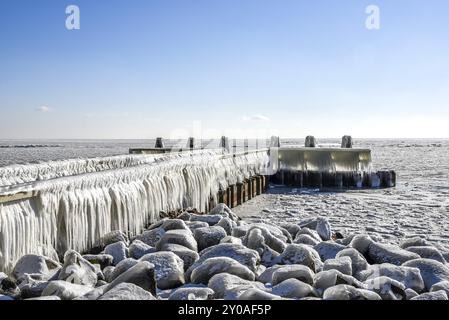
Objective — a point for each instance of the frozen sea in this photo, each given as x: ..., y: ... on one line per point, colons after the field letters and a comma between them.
x: 418, y: 206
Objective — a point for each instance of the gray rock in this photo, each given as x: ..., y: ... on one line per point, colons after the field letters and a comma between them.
x: 312, y: 233
x: 249, y: 258
x: 181, y: 237
x: 211, y: 220
x: 213, y: 266
x: 196, y: 224
x: 174, y: 224
x: 323, y: 228
x: 65, y: 290
x: 5, y: 298
x: 142, y: 275
x: 138, y: 249
x: 113, y: 237
x: 223, y: 283
x: 293, y: 229
x: 78, y: 270
x: 185, y: 216
x: 305, y: 239
x: 192, y: 294
x: 8, y: 286
x: 358, y: 261
x: 328, y: 249
x: 267, y: 275
x: 301, y: 254
x: 39, y: 267
x: 437, y: 295
x: 409, y: 277
x: 104, y: 260
x: 414, y: 242
x: 223, y: 210
x: 93, y: 295
x: 30, y: 288
x: 410, y: 293
x: 240, y: 231
x: 330, y: 278
x: 427, y: 252
x: 48, y: 298
x: 382, y: 253
x: 361, y: 243
x: 346, y: 292
x: 342, y: 264
x: 227, y: 224
x: 151, y: 237
x: 293, y: 288
x: 169, y: 269
x: 121, y: 267
x: 443, y: 285
x: 387, y: 288
x: 108, y: 272
x: 117, y: 250
x: 232, y: 240
x: 268, y: 235
x: 126, y: 292
x: 299, y: 272
x: 258, y: 294
x: 431, y: 271
x: 188, y: 256
x: 210, y: 236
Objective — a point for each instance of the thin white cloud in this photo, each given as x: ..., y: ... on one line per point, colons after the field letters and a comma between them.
x: 256, y: 117
x: 43, y: 109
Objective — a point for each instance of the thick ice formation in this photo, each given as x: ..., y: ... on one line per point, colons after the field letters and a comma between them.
x: 96, y: 196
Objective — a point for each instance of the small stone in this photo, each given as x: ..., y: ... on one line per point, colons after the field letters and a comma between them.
x: 342, y: 264
x: 138, y: 249
x: 188, y: 256
x: 78, y: 270
x: 428, y: 252
x: 210, y: 236
x: 142, y: 275
x: 213, y: 266
x: 299, y: 272
x: 181, y: 237
x: 39, y: 267
x: 293, y: 288
x: 328, y: 249
x: 151, y: 237
x: 437, y: 295
x: 126, y: 292
x: 323, y: 228
x: 117, y: 250
x: 192, y: 294
x: 301, y: 254
x: 65, y: 290
x: 169, y: 268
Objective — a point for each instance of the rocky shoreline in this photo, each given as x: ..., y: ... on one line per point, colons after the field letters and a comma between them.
x: 219, y: 256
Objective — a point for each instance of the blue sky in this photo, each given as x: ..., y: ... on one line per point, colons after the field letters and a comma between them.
x: 140, y: 69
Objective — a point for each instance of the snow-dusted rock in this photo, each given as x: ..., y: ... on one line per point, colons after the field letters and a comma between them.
x: 428, y: 252
x: 358, y: 261
x: 361, y: 243
x: 293, y: 229
x: 258, y: 294
x: 223, y: 283
x: 209, y: 236
x: 346, y: 292
x: 443, y: 285
x: 414, y: 242
x: 331, y: 278
x: 121, y: 267
x: 231, y: 239
x: 293, y: 271
x: 192, y: 294
x: 301, y: 254
x: 196, y: 224
x: 387, y: 288
x: 78, y: 270
x: 342, y: 264
x: 113, y: 237
x: 270, y: 236
x: 107, y: 272
x: 210, y: 219
x: 409, y: 277
x: 328, y: 249
x: 138, y: 249
x: 188, y: 256
x: 48, y: 298
x: 384, y: 253
x: 431, y: 271
x: 312, y: 233
x: 293, y: 288
x: 142, y: 274
x: 227, y: 224
x: 127, y: 291
x: 305, y: 239
x: 65, y: 290
x: 117, y: 250
x: 323, y: 228
x: 104, y: 260
x: 240, y: 231
x: 410, y: 293
x: 151, y: 237
x: 39, y: 267
x: 5, y: 298
x: 213, y: 266
x: 169, y: 269
x: 267, y: 275
x: 31, y: 288
x: 436, y: 295
x: 174, y: 224
x: 180, y: 236
x: 223, y: 210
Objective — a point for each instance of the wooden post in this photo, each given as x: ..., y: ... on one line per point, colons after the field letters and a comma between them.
x: 191, y: 143
x: 240, y: 193
x: 159, y: 143
x: 224, y: 143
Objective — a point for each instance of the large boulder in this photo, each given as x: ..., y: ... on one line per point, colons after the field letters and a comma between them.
x: 293, y: 271
x: 361, y: 243
x: 39, y: 267
x: 117, y: 250
x: 328, y: 249
x: 301, y: 254
x: 104, y: 260
x: 127, y: 291
x: 437, y: 295
x: 112, y: 237
x: 359, y: 263
x: 210, y: 219
x: 209, y: 236
x: 293, y: 288
x: 443, y: 285
x: 223, y: 210
x: 178, y: 236
x: 227, y: 224
x: 78, y: 270
x: 169, y: 269
x: 65, y: 290
x: 224, y: 283
x: 427, y: 252
x: 331, y: 278
x: 174, y: 224
x: 151, y: 237
x: 323, y: 228
x: 121, y: 267
x: 342, y: 264
x: 431, y: 271
x: 142, y: 274
x: 138, y: 249
x: 346, y: 292
x: 387, y: 288
x: 267, y: 275
x: 188, y: 256
x: 413, y: 242
x: 213, y: 266
x: 383, y: 253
